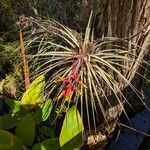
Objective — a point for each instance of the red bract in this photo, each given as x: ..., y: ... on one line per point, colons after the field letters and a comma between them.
x: 69, y: 92
x: 70, y: 86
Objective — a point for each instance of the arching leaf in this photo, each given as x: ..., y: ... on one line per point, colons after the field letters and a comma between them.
x: 72, y: 129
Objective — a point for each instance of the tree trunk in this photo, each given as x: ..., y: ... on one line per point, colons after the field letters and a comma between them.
x: 126, y: 19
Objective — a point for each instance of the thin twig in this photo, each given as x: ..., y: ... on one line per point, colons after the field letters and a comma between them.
x: 133, y: 129
x: 142, y: 30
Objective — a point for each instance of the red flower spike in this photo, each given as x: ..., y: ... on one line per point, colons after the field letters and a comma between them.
x: 69, y: 92
x: 69, y: 86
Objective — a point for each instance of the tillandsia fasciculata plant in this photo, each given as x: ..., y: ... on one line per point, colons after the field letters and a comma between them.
x: 82, y: 70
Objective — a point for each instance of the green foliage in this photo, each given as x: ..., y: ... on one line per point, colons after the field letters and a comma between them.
x: 33, y: 96
x: 13, y: 104
x: 8, y: 54
x: 48, y: 144
x: 72, y: 129
x: 25, y: 120
x: 25, y: 129
x: 9, y: 142
x: 11, y: 119
x: 43, y: 112
x: 9, y: 69
x: 8, y: 121
x: 80, y: 71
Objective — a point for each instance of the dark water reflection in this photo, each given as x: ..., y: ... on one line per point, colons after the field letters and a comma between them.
x: 130, y: 140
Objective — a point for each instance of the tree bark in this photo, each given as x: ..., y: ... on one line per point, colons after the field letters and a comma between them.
x: 126, y: 19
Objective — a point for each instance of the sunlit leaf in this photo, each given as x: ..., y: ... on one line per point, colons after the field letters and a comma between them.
x: 9, y: 142
x: 34, y: 93
x: 46, y: 109
x: 13, y: 104
x: 43, y: 112
x: 25, y: 129
x: 71, y: 129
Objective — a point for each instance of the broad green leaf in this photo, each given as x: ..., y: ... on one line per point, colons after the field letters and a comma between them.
x: 34, y: 93
x: 43, y: 112
x: 14, y: 104
x: 71, y: 132
x: 9, y: 142
x: 9, y: 121
x: 48, y: 144
x: 25, y: 129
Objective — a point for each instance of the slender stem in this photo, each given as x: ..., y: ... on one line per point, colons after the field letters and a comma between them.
x: 133, y: 129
